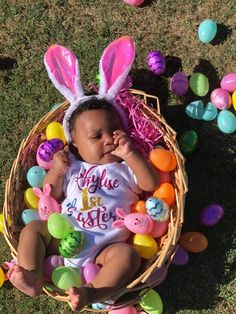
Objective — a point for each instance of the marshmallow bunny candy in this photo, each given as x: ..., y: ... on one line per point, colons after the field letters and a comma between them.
x: 63, y: 69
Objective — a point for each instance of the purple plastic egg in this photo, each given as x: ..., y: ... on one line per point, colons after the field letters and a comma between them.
x: 181, y: 257
x: 179, y: 84
x: 48, y: 148
x: 221, y: 98
x: 50, y: 263
x: 211, y: 215
x: 156, y: 62
x: 228, y: 82
x: 158, y: 275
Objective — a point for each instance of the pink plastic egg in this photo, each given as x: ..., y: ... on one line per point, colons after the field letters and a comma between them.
x: 90, y: 271
x: 228, y: 82
x: 159, y: 228
x: 179, y: 84
x: 134, y: 3
x: 124, y: 310
x: 181, y: 257
x: 156, y: 62
x: 221, y: 98
x: 211, y: 215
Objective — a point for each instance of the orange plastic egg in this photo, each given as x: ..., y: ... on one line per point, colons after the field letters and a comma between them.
x: 166, y: 193
x: 139, y: 207
x: 194, y: 242
x: 163, y: 159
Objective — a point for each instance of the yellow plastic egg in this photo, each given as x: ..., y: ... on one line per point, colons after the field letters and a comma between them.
x: 234, y: 99
x: 145, y: 245
x: 194, y: 242
x: 31, y: 200
x: 2, y: 277
x: 2, y: 224
x: 55, y: 130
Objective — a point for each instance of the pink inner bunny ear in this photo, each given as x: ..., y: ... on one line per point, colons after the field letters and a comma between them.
x: 47, y: 189
x: 63, y: 70
x: 38, y: 192
x: 120, y: 212
x: 115, y: 64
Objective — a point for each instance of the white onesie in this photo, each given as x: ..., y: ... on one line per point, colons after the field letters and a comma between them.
x: 92, y: 194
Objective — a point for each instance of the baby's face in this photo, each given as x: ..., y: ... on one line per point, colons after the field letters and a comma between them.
x: 93, y: 136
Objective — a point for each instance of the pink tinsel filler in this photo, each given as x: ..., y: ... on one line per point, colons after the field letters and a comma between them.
x: 142, y: 132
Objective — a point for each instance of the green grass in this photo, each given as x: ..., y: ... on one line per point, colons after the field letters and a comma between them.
x: 207, y: 284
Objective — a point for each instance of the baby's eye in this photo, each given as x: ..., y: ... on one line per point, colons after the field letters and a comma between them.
x: 95, y: 137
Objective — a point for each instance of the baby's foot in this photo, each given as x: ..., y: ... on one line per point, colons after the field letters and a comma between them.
x: 28, y: 281
x: 79, y: 298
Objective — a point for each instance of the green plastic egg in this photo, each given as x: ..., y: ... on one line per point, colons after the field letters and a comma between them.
x: 188, y: 142
x: 59, y: 226
x: 199, y: 84
x: 65, y: 277
x: 71, y: 244
x: 151, y: 302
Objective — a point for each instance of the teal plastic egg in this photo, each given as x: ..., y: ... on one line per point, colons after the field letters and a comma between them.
x: 188, y: 142
x: 54, y: 107
x: 207, y: 31
x: 65, y: 277
x: 210, y: 112
x: 35, y: 176
x: 199, y: 84
x: 226, y: 121
x: 195, y: 110
x: 71, y: 244
x: 29, y: 215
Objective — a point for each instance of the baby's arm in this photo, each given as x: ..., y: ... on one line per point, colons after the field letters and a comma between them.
x: 55, y: 176
x: 146, y: 175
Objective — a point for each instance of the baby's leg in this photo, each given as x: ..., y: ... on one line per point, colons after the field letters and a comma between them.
x: 27, y: 276
x: 120, y: 262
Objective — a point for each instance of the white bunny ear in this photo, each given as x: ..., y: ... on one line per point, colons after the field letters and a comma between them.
x: 115, y: 64
x: 63, y: 69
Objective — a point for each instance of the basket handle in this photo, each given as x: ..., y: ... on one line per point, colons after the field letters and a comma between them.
x: 148, y: 99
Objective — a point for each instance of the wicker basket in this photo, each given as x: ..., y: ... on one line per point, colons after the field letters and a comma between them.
x: 26, y: 158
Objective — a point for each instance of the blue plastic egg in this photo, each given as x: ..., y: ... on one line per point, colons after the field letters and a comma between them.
x: 98, y: 306
x: 210, y: 112
x: 226, y: 121
x: 211, y: 215
x: 29, y: 215
x: 157, y: 209
x: 207, y: 31
x: 195, y: 109
x: 35, y: 176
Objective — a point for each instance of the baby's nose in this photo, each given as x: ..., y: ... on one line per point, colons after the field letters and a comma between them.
x: 108, y: 139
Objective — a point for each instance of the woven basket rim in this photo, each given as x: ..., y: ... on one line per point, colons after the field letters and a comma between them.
x: 169, y: 242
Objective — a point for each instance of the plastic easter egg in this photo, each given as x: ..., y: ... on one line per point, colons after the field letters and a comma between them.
x: 145, y: 245
x: 199, y: 84
x: 54, y: 107
x: 228, y: 82
x: 139, y: 207
x: 50, y: 263
x: 31, y: 200
x: 157, y: 209
x: 90, y: 271
x: 234, y: 99
x: 151, y: 302
x: 59, y: 225
x: 71, y: 244
x: 194, y: 242
x: 159, y: 228
x: 98, y: 306
x: 210, y: 112
x: 29, y: 215
x: 164, y: 176
x: 124, y: 310
x: 207, y: 31
x: 195, y: 110
x: 163, y: 159
x: 98, y: 78
x: 55, y: 130
x: 179, y: 84
x: 181, y: 257
x: 221, y: 98
x: 66, y: 277
x: 156, y: 62
x: 2, y: 277
x: 188, y: 142
x: 226, y: 121
x: 2, y: 223
x: 166, y: 193
x: 134, y: 3
x: 159, y: 275
x: 211, y: 215
x: 46, y: 151
x: 35, y: 176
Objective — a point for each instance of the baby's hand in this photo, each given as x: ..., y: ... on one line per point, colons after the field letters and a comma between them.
x: 124, y: 145
x: 61, y: 161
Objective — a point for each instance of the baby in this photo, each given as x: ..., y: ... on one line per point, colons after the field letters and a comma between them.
x: 108, y: 174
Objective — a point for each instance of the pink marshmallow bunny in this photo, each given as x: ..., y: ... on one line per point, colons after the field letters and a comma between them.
x: 47, y: 204
x: 135, y: 222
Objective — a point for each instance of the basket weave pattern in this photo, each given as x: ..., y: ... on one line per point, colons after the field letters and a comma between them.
x: 26, y: 158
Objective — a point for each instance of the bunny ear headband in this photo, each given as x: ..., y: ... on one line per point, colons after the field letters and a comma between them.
x: 63, y: 69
